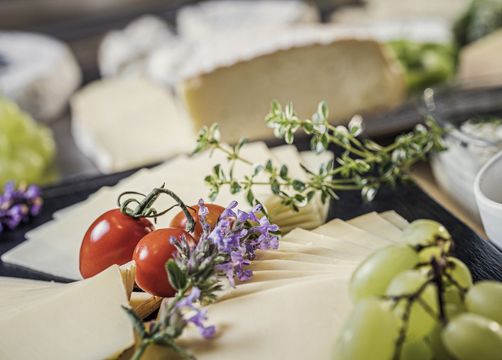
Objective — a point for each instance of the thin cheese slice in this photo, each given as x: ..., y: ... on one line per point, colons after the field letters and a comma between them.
x: 273, y: 324
x: 144, y: 304
x: 338, y: 228
x: 396, y: 219
x: 255, y: 287
x: 376, y: 225
x: 291, y: 265
x: 342, y: 245
x: 85, y: 321
x: 295, y: 256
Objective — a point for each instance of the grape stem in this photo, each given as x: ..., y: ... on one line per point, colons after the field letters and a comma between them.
x: 144, y: 207
x: 437, y: 270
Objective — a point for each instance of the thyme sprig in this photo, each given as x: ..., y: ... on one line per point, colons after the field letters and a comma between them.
x: 363, y: 165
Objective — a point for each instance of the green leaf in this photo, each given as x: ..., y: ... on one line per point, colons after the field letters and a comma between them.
x: 137, y: 323
x: 298, y: 185
x: 323, y: 109
x: 250, y: 197
x: 289, y: 137
x: 284, y: 172
x: 177, y: 278
x: 275, y: 187
x: 234, y: 187
x: 268, y: 166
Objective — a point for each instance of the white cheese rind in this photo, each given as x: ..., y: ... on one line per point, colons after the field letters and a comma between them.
x: 206, y: 18
x: 40, y: 73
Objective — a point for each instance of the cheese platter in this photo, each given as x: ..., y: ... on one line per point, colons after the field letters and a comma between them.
x: 313, y: 245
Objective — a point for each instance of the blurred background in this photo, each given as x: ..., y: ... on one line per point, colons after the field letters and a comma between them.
x: 100, y: 86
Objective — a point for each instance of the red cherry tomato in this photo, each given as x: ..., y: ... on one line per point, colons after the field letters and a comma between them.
x: 214, y: 212
x: 111, y: 239
x: 151, y: 255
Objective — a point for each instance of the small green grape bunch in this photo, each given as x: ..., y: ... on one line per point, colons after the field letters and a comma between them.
x: 27, y: 148
x: 414, y: 301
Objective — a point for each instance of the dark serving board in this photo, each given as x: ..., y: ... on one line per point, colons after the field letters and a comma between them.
x: 481, y: 256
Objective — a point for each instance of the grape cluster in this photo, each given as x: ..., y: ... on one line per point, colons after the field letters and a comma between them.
x: 26, y: 148
x: 414, y: 301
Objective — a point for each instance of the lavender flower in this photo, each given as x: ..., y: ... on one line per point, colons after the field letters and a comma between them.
x: 198, y: 315
x: 17, y: 205
x: 195, y: 272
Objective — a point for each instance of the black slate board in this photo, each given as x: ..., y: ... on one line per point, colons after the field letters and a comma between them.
x: 481, y: 256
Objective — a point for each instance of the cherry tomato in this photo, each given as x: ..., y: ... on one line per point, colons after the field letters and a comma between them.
x: 151, y: 255
x: 214, y: 212
x: 111, y: 239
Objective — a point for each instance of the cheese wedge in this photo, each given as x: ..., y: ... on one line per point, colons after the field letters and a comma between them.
x: 121, y: 123
x: 234, y: 78
x: 83, y: 321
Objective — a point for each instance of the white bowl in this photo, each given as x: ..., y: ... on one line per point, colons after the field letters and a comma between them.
x: 488, y: 193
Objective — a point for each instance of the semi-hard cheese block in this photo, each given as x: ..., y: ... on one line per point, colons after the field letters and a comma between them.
x: 83, y: 320
x: 121, y: 123
x: 38, y: 72
x: 233, y: 79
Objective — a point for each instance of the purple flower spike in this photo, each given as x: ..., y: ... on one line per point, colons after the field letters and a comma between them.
x: 199, y: 315
x: 17, y: 205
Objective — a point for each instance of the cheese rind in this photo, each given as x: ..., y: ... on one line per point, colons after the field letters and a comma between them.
x: 203, y: 19
x: 39, y: 73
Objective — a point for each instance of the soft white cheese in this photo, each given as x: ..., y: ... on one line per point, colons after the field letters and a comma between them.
x: 206, y: 18
x: 38, y: 72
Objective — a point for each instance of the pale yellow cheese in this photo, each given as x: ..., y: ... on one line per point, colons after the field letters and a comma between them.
x: 243, y: 73
x: 273, y: 324
x: 339, y: 228
x: 377, y: 225
x: 480, y: 61
x: 83, y: 321
x: 396, y: 219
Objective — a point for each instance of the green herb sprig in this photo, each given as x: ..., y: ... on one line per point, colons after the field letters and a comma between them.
x: 364, y: 165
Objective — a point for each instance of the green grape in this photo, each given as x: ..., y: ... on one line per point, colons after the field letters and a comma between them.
x: 420, y: 322
x: 453, y: 310
x: 451, y: 295
x: 485, y: 298
x: 436, y: 344
x: 425, y: 232
x: 416, y: 350
x: 370, y: 333
x: 459, y: 272
x: 27, y: 148
x: 473, y: 337
x: 374, y: 274
x: 428, y: 253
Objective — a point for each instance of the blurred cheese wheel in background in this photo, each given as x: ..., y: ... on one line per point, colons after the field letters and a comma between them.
x: 38, y: 72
